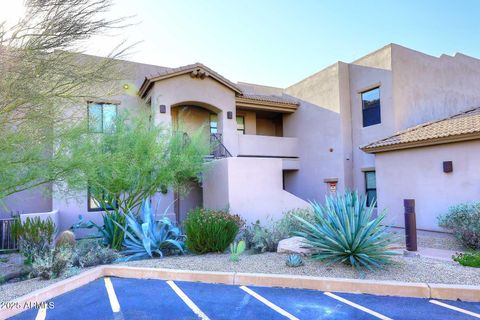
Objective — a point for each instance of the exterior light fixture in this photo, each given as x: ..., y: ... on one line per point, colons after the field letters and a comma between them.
x: 447, y: 166
x: 229, y: 115
x: 163, y: 108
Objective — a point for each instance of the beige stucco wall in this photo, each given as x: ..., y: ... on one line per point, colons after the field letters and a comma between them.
x: 418, y: 174
x: 429, y: 88
x: 323, y: 145
x: 362, y: 78
x: 267, y: 146
x: 38, y: 199
x: 250, y: 187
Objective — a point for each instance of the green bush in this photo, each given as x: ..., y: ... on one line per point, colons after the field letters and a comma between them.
x: 469, y: 259
x: 91, y: 253
x: 346, y: 232
x: 464, y: 221
x: 289, y: 224
x: 210, y: 230
x: 34, y: 237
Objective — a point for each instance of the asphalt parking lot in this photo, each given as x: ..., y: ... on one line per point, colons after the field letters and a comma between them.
x: 117, y: 298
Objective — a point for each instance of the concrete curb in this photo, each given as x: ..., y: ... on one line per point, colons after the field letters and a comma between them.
x: 385, y: 288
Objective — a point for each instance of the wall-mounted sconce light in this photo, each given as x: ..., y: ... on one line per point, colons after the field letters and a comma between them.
x: 447, y: 166
x: 163, y: 108
x: 229, y: 114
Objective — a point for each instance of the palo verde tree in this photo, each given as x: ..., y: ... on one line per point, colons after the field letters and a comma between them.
x: 135, y: 160
x: 42, y: 75
x: 130, y: 163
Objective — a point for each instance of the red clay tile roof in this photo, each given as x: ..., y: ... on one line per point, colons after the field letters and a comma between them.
x: 270, y: 98
x: 460, y: 127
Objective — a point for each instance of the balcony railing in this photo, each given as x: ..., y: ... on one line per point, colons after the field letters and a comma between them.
x: 267, y: 146
x: 218, y: 149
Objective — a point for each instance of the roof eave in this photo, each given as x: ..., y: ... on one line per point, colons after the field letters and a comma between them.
x: 422, y: 143
x: 145, y: 87
x: 254, y: 104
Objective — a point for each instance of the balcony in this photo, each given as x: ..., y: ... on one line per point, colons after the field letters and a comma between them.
x: 267, y: 146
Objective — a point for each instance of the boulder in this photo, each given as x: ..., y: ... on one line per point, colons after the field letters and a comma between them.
x: 293, y: 245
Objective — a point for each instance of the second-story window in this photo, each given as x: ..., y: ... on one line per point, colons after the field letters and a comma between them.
x: 101, y: 117
x: 241, y: 124
x: 371, y: 107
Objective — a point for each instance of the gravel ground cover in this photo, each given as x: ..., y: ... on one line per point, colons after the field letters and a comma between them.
x: 428, y: 239
x: 402, y: 269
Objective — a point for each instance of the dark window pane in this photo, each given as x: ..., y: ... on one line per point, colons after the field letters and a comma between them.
x: 370, y: 187
x: 371, y: 107
x: 241, y: 124
x: 95, y: 117
x: 109, y: 116
x: 371, y: 196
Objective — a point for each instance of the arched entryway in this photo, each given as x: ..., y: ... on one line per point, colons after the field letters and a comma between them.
x: 190, y: 117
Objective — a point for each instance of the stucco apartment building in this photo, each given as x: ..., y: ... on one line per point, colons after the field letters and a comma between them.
x: 394, y: 124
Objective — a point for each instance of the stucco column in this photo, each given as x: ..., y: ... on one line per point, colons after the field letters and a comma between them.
x: 228, y: 128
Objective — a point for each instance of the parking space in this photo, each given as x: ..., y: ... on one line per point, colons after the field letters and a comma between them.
x: 117, y: 298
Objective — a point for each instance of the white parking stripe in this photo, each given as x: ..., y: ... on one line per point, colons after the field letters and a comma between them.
x: 42, y: 313
x: 470, y: 313
x: 268, y: 303
x: 187, y: 301
x: 111, y: 295
x: 359, y: 307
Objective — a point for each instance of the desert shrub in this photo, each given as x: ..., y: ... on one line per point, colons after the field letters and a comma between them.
x: 34, y: 237
x: 469, y: 259
x: 210, y: 230
x: 464, y: 221
x: 263, y: 238
x: 346, y: 232
x: 52, y: 263
x: 289, y: 224
x: 89, y: 253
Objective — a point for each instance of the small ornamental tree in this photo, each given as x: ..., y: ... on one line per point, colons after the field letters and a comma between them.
x: 42, y: 77
x: 136, y: 160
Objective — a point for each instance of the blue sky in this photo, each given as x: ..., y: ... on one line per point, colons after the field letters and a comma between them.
x: 279, y: 42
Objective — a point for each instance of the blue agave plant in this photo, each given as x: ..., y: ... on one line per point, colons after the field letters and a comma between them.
x: 148, y: 237
x: 346, y: 231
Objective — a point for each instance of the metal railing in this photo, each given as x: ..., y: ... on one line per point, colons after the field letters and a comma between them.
x: 218, y: 149
x: 7, y: 241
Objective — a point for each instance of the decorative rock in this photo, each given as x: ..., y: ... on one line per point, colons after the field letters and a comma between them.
x: 293, y: 245
x: 66, y: 238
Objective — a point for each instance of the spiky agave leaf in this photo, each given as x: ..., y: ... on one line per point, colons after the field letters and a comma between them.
x: 145, y: 238
x: 347, y: 233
